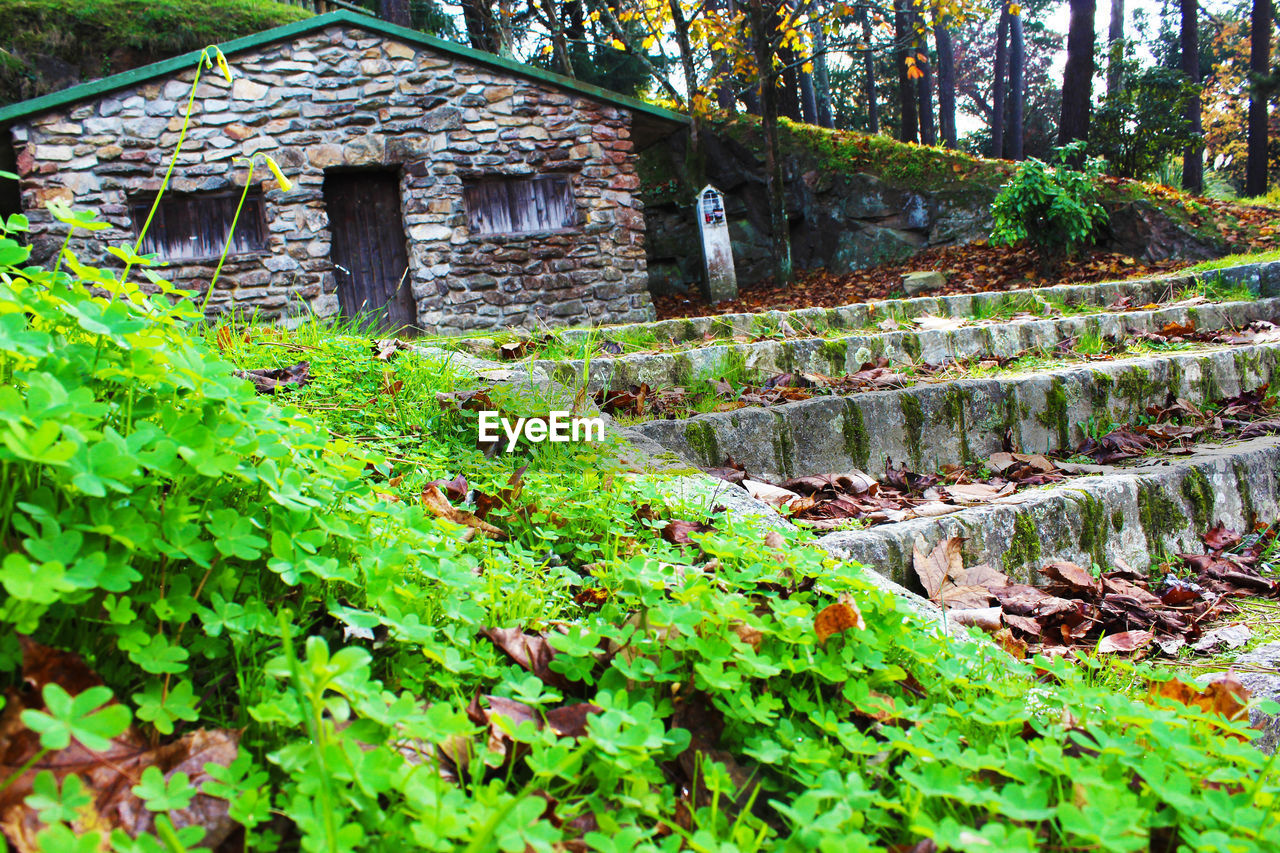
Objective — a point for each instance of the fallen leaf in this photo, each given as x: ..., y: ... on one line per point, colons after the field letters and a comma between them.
x: 435, y: 501
x: 837, y: 617
x: 942, y: 564
x: 107, y: 775
x: 530, y: 651
x: 1226, y: 636
x: 1125, y: 641
x: 272, y: 379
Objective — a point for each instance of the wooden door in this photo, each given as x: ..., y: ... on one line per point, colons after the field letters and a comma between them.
x: 368, y: 247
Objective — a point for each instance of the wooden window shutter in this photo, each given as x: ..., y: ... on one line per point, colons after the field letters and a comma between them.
x: 195, y: 227
x: 519, y: 205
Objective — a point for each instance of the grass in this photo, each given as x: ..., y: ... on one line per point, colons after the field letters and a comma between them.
x: 1236, y: 260
x: 101, y: 37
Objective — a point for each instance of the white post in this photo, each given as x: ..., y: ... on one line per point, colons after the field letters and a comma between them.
x: 717, y: 251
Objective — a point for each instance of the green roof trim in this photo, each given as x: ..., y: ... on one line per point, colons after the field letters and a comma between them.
x: 167, y: 67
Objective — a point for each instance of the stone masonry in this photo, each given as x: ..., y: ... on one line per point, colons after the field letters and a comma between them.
x: 343, y: 97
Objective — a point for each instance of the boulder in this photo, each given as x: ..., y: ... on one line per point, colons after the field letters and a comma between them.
x: 915, y: 283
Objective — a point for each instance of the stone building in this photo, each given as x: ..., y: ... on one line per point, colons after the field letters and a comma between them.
x: 434, y: 186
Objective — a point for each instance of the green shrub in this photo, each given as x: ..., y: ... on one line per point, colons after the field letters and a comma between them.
x: 1052, y: 209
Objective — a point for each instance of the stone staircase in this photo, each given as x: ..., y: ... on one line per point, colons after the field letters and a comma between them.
x: 1130, y: 513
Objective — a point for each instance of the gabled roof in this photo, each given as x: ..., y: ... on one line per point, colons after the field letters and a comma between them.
x: 653, y: 121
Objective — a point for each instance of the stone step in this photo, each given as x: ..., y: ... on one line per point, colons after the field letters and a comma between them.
x: 929, y: 425
x: 844, y: 354
x: 1262, y: 278
x: 1137, y: 515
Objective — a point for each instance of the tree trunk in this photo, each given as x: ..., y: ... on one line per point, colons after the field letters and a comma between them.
x: 1115, y: 47
x: 1077, y: 77
x: 869, y: 74
x: 808, y: 98
x: 1017, y: 97
x: 395, y: 12
x: 998, y: 84
x: 763, y: 23
x: 789, y: 97
x: 821, y: 77
x: 559, y: 41
x: 908, y: 130
x: 1193, y: 157
x: 1260, y: 24
x: 946, y: 81
x: 928, y: 136
x: 482, y: 29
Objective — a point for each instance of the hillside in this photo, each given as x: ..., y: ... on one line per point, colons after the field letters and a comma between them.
x: 857, y: 201
x: 46, y: 45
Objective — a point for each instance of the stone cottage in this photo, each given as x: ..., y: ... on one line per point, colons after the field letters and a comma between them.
x: 434, y: 186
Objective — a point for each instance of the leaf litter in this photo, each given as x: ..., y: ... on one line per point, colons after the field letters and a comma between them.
x: 107, y: 775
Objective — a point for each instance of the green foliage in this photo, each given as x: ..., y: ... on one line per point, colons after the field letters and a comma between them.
x: 95, y: 35
x: 1138, y: 125
x: 1053, y: 209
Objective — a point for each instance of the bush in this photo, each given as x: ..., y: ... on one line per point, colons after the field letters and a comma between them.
x: 1137, y: 126
x: 1052, y: 209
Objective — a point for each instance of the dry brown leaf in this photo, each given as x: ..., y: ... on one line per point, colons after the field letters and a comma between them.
x: 986, y: 618
x: 1223, y: 695
x: 942, y: 564
x: 109, y: 775
x: 837, y: 617
x: 434, y: 500
x: 1125, y: 641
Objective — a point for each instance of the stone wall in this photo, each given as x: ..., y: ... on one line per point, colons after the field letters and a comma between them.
x: 343, y: 97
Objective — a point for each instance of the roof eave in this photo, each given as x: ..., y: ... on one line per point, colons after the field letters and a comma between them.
x: 166, y: 67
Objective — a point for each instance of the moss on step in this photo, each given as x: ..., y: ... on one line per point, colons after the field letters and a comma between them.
x: 1246, y: 494
x: 783, y: 447
x: 1024, y: 546
x: 701, y: 438
x: 856, y: 442
x: 1159, y: 515
x: 1199, y: 494
x: 1093, y: 528
x: 1100, y: 390
x: 681, y: 369
x: 1209, y: 390
x: 1134, y: 385
x: 1054, y: 416
x: 565, y: 374
x: 913, y: 415
x: 721, y: 328
x: 836, y: 353
x: 1117, y: 520
x: 955, y: 402
x: 911, y: 345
